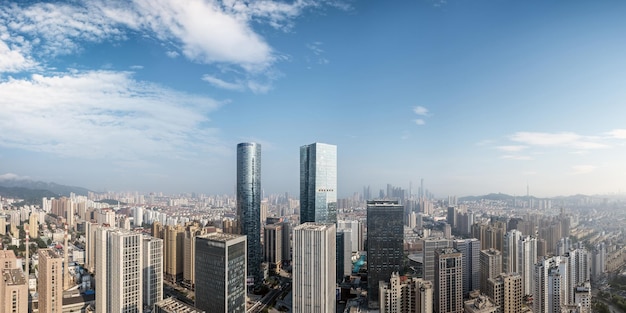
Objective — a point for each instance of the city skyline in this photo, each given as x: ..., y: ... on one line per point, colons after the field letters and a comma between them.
x: 473, y: 97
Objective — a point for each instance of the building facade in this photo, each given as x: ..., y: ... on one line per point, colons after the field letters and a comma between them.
x: 221, y: 273
x: 405, y: 295
x: 318, y: 183
x: 314, y: 256
x: 448, y: 281
x: 385, y: 243
x: 50, y: 285
x: 152, y: 270
x: 249, y: 204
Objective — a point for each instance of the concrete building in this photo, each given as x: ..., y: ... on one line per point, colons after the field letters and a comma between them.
x: 50, y: 287
x: 314, y: 256
x: 119, y: 271
x: 405, y: 295
x: 221, y: 273
x: 189, y: 250
x: 344, y: 254
x: 152, y: 267
x: 273, y: 245
x: 448, y: 281
x: 490, y: 266
x: 13, y: 291
x: 173, y: 241
x: 550, y: 292
x: 505, y: 291
x: 8, y: 259
x: 429, y: 246
x: 470, y: 248
x: 481, y: 304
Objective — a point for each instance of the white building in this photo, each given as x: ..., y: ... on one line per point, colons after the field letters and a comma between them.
x: 404, y: 295
x: 152, y: 264
x: 314, y: 257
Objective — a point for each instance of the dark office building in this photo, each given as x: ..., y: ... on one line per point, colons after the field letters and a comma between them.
x: 385, y: 246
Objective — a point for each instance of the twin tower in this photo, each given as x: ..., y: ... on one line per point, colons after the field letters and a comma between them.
x: 318, y: 193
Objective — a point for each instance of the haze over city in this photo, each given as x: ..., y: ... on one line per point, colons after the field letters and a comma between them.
x: 473, y: 96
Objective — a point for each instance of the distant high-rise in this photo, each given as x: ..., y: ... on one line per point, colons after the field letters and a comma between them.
x: 50, y: 285
x: 344, y: 253
x: 221, y: 273
x: 314, y: 256
x: 357, y: 233
x: 470, y: 248
x: 249, y: 204
x: 490, y: 267
x: 448, y: 281
x: 318, y: 183
x: 385, y: 243
x: 174, y: 244
x: 152, y: 264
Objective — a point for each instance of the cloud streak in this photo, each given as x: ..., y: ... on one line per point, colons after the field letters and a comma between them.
x: 562, y: 139
x: 105, y: 114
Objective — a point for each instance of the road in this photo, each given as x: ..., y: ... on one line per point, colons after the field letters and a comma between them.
x: 268, y: 299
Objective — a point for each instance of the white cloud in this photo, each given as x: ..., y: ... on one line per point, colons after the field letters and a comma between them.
x: 204, y: 31
x: 316, y: 49
x: 511, y: 148
x: 583, y: 169
x: 420, y: 110
x: 617, y: 133
x: 419, y: 121
x: 13, y: 60
x: 517, y: 157
x: 136, y: 67
x: 104, y: 114
x: 172, y: 54
x: 562, y: 139
x: 223, y: 84
x: 11, y: 176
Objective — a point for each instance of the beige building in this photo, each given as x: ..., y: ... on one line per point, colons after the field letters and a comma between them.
x: 50, y: 286
x: 405, y: 295
x: 174, y: 252
x: 490, y: 266
x: 7, y: 259
x: 448, y: 281
x: 13, y: 291
x: 505, y: 291
x: 481, y: 304
x: 33, y: 225
x: 191, y: 232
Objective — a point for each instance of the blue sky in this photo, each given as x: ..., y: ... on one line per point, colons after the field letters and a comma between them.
x: 473, y: 96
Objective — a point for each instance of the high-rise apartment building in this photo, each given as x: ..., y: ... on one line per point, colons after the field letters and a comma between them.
x: 550, y: 287
x: 578, y: 270
x: 119, y: 271
x: 510, y: 255
x: 249, y: 204
x: 50, y: 287
x: 152, y: 264
x: 221, y: 273
x: 385, y: 243
x: 448, y: 281
x: 344, y: 253
x: 470, y: 248
x: 490, y: 266
x: 314, y: 256
x: 405, y: 295
x: 318, y: 183
x: 191, y: 232
x: 173, y: 242
x: 13, y: 291
x: 505, y: 290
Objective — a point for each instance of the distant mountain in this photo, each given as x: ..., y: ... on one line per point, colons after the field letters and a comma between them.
x: 12, y: 180
x: 491, y: 196
x: 30, y: 196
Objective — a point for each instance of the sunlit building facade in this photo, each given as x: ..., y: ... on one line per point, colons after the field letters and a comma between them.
x: 318, y: 183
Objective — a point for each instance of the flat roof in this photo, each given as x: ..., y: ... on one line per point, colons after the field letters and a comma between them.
x: 221, y: 236
x: 13, y: 276
x: 175, y: 305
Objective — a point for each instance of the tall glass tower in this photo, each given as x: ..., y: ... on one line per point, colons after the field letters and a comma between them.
x: 318, y: 183
x: 249, y: 203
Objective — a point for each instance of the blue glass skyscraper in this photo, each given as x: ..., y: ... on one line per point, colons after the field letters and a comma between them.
x: 318, y: 183
x: 249, y: 203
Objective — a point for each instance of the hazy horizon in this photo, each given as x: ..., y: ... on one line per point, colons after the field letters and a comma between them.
x: 474, y: 97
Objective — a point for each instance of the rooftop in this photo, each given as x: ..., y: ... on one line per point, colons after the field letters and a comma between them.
x: 174, y: 305
x: 7, y: 254
x: 314, y: 226
x: 13, y: 276
x: 221, y: 236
